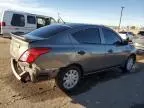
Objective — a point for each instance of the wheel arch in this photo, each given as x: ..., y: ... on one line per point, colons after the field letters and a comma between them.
x: 133, y: 55
x: 75, y: 64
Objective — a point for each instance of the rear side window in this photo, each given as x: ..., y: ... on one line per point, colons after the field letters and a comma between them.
x: 18, y: 20
x: 88, y: 36
x: 47, y: 31
x: 31, y: 20
x: 110, y: 36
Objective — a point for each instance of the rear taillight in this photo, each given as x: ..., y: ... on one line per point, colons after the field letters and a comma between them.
x: 31, y: 55
x: 2, y: 24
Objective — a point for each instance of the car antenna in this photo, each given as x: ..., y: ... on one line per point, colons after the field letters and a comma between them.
x: 60, y: 19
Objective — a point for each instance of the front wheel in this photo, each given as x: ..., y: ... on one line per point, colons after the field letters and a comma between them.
x: 69, y: 78
x: 129, y: 64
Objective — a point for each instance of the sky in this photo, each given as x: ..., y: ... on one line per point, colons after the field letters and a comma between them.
x: 106, y: 12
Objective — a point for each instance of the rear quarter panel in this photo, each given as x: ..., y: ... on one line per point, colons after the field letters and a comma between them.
x: 62, y: 52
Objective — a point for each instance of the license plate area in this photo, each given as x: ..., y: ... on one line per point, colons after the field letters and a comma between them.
x: 15, y: 49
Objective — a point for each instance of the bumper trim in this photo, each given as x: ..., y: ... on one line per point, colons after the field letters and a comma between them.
x: 18, y: 76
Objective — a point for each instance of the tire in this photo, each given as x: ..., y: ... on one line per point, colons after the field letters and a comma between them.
x: 129, y: 64
x: 68, y: 78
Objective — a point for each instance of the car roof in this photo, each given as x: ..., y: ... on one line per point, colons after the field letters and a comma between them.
x: 75, y: 25
x: 23, y: 12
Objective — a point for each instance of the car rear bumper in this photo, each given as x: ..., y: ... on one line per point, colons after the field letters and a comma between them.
x: 27, y: 74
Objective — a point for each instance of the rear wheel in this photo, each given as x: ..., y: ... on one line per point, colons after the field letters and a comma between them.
x: 69, y: 78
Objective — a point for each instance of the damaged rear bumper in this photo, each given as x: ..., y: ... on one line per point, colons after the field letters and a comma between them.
x: 31, y: 74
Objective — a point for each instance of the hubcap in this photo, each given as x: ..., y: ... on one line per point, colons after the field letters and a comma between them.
x: 130, y: 64
x: 70, y: 79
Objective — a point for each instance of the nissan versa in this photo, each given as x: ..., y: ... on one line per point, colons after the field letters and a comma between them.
x: 67, y: 52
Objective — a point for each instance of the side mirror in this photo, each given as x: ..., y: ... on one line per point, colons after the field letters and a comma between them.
x: 125, y: 42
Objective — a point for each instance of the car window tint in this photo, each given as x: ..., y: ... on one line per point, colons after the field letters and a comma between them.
x: 31, y: 20
x: 110, y: 36
x: 88, y: 36
x: 47, y: 31
x: 18, y: 20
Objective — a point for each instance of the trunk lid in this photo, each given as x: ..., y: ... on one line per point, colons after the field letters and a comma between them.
x: 17, y: 47
x: 20, y: 43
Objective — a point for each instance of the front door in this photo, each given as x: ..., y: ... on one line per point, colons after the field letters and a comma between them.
x: 114, y: 49
x: 90, y: 53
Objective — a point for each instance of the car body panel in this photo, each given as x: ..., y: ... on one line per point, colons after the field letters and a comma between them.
x: 18, y: 47
x: 65, y: 51
x: 93, y: 59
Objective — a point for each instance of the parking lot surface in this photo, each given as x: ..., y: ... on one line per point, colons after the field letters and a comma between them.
x: 110, y: 89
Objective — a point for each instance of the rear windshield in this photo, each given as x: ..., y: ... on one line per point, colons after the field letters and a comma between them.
x: 47, y: 31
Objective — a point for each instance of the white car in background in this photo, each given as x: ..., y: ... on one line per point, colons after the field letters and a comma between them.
x: 21, y: 22
x: 139, y: 42
x: 127, y: 35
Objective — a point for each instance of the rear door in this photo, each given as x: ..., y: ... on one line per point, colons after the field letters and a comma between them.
x: 90, y: 53
x: 115, y: 53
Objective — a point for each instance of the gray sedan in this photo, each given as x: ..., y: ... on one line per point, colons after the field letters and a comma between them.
x: 68, y: 52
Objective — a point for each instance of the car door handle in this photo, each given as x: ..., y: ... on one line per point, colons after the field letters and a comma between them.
x: 110, y: 51
x: 81, y: 52
x: 16, y: 28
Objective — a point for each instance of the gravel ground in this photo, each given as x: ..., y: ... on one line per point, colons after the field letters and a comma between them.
x: 105, y: 90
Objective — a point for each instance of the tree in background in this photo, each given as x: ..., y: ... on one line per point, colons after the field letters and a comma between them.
x: 133, y: 27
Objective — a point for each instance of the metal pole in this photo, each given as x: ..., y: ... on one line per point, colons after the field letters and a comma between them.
x: 120, y: 18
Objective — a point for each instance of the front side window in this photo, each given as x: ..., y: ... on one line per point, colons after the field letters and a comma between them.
x: 52, y: 20
x: 88, y: 36
x: 110, y: 37
x: 18, y: 20
x: 41, y: 21
x: 31, y: 20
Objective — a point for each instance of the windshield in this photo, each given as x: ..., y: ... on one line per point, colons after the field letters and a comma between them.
x: 47, y: 31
